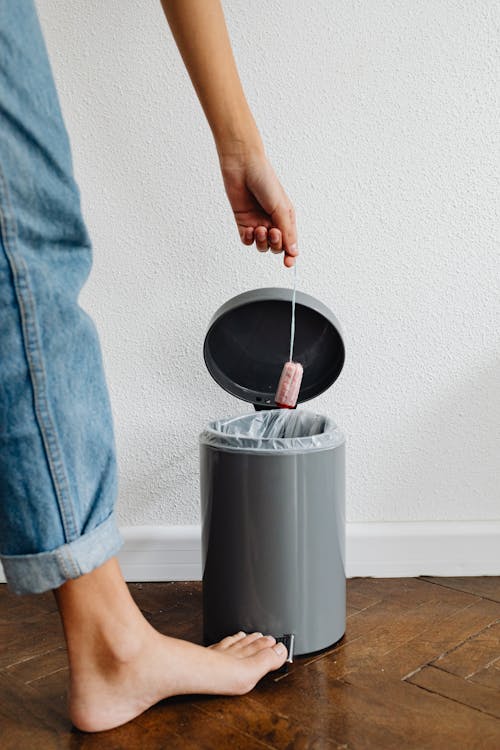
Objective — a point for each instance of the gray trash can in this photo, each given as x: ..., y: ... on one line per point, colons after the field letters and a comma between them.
x: 273, y: 481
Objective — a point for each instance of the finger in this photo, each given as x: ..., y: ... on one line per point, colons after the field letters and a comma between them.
x: 246, y: 235
x: 284, y: 219
x: 275, y: 240
x: 289, y: 261
x: 261, y: 239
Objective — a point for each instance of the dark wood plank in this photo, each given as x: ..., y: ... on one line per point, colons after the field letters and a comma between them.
x: 402, y: 591
x: 39, y: 666
x: 130, y: 736
x: 447, y: 628
x: 490, y: 676
x: 452, y: 686
x: 24, y: 639
x: 474, y: 654
x: 357, y: 600
x: 28, y: 611
x: 486, y: 586
x: 197, y: 727
x: 417, y: 719
x: 159, y: 597
x: 40, y: 602
x: 261, y: 721
x: 15, y: 735
x: 371, y: 711
x: 24, y: 712
x: 382, y: 631
x: 53, y: 690
x: 393, y: 600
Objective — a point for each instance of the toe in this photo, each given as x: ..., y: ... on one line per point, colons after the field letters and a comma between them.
x: 250, y: 638
x: 229, y: 641
x: 239, y: 646
x: 249, y: 649
x: 272, y: 657
x: 264, y: 661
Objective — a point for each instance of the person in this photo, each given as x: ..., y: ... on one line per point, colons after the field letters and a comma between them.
x: 58, y: 529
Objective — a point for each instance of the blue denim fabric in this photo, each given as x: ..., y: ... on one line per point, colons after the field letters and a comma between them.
x: 57, y: 456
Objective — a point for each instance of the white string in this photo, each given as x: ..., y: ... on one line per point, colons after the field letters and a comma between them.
x: 292, y: 327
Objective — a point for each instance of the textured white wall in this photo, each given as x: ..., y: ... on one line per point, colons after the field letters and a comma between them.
x: 381, y: 119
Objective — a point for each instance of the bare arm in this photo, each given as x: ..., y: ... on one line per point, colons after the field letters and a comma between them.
x: 262, y: 210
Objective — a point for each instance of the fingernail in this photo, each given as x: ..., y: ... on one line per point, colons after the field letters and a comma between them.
x: 280, y: 649
x: 292, y: 248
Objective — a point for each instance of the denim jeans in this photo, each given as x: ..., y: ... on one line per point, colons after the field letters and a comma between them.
x: 58, y: 478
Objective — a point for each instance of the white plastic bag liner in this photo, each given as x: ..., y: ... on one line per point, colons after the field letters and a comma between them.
x: 274, y: 430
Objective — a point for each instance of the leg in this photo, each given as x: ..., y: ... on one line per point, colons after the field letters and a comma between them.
x: 57, y: 459
x: 120, y: 665
x: 57, y: 456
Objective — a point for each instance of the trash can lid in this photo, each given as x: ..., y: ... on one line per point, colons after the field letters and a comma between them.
x: 248, y: 342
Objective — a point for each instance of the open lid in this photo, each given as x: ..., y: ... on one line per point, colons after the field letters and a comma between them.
x: 248, y: 342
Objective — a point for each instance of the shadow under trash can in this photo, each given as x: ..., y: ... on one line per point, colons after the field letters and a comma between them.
x: 273, y: 481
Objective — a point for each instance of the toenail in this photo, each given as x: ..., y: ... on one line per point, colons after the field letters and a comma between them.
x: 280, y: 649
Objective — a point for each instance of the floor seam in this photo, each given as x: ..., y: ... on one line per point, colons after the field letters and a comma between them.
x: 455, y: 700
x: 458, y: 645
x: 454, y: 588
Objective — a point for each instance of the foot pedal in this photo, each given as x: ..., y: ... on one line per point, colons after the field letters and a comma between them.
x: 289, y: 641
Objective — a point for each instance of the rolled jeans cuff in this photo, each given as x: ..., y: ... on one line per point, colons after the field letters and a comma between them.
x: 35, y: 573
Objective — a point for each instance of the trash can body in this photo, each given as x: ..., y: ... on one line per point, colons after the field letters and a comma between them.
x: 273, y: 482
x: 273, y: 543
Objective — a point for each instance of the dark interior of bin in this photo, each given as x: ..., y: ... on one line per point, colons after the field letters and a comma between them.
x: 246, y: 348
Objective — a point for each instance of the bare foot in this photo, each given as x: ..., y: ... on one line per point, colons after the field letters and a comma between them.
x: 114, y: 688
x: 120, y: 665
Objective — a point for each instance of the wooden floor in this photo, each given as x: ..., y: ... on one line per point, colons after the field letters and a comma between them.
x: 419, y: 667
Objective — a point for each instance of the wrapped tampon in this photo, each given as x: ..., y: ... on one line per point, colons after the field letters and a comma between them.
x: 288, y: 389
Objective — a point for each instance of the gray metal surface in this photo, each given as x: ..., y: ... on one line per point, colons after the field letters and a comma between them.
x: 273, y: 544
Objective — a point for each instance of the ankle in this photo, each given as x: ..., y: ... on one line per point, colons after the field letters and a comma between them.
x: 102, y: 623
x: 103, y: 646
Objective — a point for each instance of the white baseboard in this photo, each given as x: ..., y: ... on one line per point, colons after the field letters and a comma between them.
x: 381, y: 550
x: 431, y: 548
x: 161, y: 553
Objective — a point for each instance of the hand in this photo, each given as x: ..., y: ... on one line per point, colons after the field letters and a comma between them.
x: 262, y: 209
